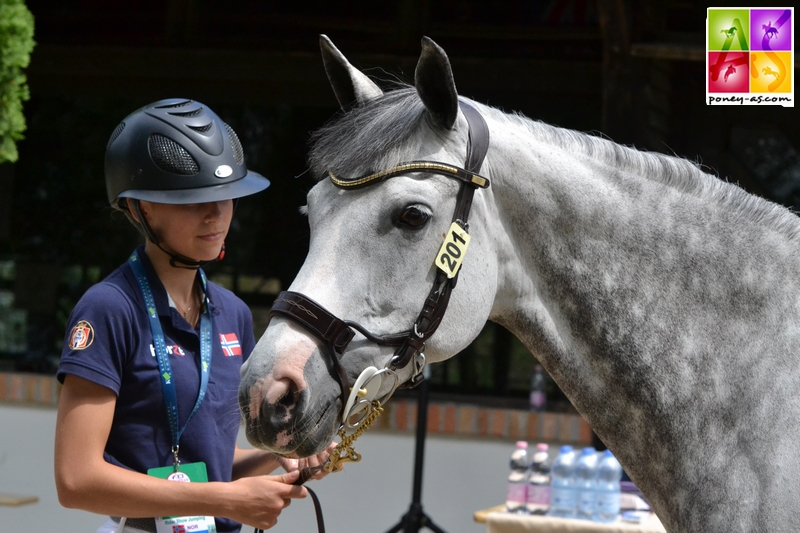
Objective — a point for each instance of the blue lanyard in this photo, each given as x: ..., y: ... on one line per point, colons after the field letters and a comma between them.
x: 164, y: 367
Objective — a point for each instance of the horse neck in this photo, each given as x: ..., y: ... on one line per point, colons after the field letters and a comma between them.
x: 583, y: 239
x: 629, y: 288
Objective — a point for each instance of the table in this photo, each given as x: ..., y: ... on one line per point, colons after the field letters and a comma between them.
x: 16, y: 499
x: 497, y: 520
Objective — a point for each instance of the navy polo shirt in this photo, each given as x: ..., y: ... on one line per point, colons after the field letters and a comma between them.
x: 109, y: 342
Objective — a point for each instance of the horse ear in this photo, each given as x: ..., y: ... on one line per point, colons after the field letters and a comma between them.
x: 349, y: 84
x: 435, y: 84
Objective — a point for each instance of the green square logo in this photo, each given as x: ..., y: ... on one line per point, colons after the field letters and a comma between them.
x: 728, y: 29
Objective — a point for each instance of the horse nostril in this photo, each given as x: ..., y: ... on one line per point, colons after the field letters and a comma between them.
x: 283, y: 403
x: 290, y: 396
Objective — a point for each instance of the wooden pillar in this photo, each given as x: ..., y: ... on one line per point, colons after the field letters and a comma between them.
x: 617, y: 100
x: 501, y: 358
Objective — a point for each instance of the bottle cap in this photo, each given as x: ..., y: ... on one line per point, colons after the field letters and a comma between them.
x: 589, y: 451
x: 522, y: 444
x: 542, y: 447
x: 566, y: 448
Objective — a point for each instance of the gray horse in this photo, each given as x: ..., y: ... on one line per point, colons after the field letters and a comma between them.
x: 664, y: 301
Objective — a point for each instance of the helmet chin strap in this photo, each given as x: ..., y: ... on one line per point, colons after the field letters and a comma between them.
x: 176, y: 260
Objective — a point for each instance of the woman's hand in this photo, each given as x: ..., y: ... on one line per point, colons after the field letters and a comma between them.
x: 257, y: 501
x: 294, y: 465
x: 85, y: 480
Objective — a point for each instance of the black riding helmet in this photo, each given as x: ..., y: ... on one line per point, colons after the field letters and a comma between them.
x: 175, y: 151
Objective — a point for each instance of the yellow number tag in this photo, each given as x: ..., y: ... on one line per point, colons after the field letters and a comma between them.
x: 453, y: 250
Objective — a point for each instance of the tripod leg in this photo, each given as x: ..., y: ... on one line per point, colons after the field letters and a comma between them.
x: 396, y: 528
x: 415, y: 519
x: 428, y: 523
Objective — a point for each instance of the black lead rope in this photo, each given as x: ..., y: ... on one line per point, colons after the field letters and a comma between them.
x: 305, y: 475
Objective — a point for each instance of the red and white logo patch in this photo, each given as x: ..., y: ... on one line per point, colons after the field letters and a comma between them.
x: 230, y: 344
x: 82, y: 336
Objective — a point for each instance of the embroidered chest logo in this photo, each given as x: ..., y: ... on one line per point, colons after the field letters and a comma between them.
x: 230, y: 344
x: 173, y: 349
x: 82, y: 336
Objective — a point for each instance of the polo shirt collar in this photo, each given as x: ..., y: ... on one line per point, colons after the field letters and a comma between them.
x: 160, y: 293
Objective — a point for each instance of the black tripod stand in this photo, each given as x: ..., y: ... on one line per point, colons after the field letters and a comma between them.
x: 415, y: 518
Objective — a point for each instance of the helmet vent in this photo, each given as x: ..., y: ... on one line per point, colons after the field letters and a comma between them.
x: 172, y: 106
x: 116, y: 133
x: 186, y: 113
x: 202, y: 129
x: 238, y: 152
x: 171, y: 156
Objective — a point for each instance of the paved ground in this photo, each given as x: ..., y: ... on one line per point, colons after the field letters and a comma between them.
x: 460, y: 477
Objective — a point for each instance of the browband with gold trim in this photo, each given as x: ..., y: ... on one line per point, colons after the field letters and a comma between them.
x: 434, y: 167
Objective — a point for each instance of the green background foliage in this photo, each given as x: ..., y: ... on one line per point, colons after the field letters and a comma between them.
x: 16, y: 44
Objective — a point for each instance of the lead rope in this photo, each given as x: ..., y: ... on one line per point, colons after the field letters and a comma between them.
x: 305, y: 475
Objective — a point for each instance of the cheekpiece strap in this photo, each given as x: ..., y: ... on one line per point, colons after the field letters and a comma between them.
x: 478, y: 145
x: 436, y: 304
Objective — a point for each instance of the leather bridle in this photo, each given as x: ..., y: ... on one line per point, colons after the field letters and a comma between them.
x: 335, y: 334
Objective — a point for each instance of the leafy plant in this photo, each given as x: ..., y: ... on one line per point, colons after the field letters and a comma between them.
x: 16, y: 44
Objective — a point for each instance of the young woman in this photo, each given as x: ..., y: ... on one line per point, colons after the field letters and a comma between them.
x: 150, y: 366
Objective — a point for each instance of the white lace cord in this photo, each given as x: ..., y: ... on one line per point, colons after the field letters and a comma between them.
x: 121, y: 526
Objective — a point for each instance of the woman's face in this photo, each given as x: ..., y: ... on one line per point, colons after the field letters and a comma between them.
x: 196, y: 231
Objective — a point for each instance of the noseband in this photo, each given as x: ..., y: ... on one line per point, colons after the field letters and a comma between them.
x: 336, y: 334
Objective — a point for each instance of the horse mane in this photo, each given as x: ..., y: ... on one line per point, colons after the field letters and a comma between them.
x: 377, y: 136
x: 676, y: 172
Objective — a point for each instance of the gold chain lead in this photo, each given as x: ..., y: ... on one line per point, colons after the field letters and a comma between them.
x: 344, y: 452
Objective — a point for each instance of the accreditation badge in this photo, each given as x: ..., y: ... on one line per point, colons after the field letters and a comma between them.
x: 186, y: 473
x: 186, y: 524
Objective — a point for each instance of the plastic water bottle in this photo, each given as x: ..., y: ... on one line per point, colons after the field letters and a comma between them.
x: 586, y: 483
x: 538, y: 394
x: 562, y: 489
x: 609, y: 473
x: 517, y: 494
x: 539, y: 479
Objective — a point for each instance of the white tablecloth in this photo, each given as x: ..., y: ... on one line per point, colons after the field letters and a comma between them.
x: 500, y: 521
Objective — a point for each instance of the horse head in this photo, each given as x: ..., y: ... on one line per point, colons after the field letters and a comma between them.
x: 371, y: 255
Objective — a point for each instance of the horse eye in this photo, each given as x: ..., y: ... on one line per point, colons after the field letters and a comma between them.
x: 414, y: 217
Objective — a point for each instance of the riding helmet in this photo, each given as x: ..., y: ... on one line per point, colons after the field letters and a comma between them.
x: 177, y: 151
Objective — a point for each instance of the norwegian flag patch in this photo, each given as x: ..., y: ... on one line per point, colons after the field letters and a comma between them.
x: 230, y: 344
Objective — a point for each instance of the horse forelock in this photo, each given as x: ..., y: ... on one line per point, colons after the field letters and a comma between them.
x: 369, y: 138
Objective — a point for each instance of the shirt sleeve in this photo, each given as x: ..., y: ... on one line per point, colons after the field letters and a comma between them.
x: 98, y: 341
